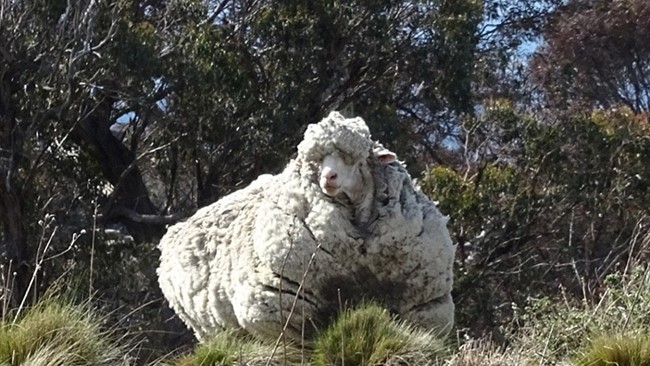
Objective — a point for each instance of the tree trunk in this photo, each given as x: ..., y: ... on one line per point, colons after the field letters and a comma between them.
x: 120, y: 168
x: 13, y: 246
x: 14, y: 252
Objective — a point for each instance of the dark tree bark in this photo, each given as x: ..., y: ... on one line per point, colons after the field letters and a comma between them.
x: 13, y: 245
x: 119, y: 167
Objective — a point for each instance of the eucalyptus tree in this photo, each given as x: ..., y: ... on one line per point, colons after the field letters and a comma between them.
x: 597, y: 54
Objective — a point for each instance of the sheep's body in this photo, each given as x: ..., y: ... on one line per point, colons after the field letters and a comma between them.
x: 410, y: 245
x: 234, y: 262
x: 281, y: 249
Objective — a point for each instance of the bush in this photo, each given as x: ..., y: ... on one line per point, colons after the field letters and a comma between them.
x: 554, y: 331
x: 538, y: 205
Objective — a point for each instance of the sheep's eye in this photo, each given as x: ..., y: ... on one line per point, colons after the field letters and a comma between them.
x: 348, y: 160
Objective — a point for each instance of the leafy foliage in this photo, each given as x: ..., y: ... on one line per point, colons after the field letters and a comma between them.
x: 542, y: 204
x: 119, y: 118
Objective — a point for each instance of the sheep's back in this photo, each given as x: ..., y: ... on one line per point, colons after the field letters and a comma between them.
x: 203, y: 257
x: 410, y: 248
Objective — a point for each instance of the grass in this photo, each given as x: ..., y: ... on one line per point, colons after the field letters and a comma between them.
x: 55, y: 332
x: 618, y: 349
x: 370, y: 336
x: 232, y: 348
x: 482, y: 352
x: 614, y: 330
x: 364, y: 336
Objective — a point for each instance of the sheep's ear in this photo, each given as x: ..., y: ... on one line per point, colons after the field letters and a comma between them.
x: 384, y: 155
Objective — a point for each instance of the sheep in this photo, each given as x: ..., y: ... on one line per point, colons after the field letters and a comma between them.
x: 342, y: 223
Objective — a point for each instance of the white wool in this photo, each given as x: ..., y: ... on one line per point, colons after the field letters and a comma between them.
x: 281, y: 252
x: 335, y: 133
x: 411, y: 235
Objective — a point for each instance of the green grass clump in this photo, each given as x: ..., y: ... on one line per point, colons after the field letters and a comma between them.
x: 620, y: 350
x: 232, y: 348
x: 371, y: 336
x: 54, y: 333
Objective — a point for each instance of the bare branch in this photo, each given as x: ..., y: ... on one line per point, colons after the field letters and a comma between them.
x: 215, y: 14
x: 146, y: 218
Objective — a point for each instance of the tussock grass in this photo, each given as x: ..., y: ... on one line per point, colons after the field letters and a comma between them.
x: 370, y: 336
x: 54, y: 333
x: 364, y: 336
x: 232, y: 348
x: 558, y: 331
x: 620, y: 349
x: 482, y: 352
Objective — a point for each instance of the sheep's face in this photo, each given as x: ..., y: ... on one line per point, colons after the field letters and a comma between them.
x: 340, y: 174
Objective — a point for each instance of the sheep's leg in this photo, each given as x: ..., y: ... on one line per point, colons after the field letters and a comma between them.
x: 436, y: 315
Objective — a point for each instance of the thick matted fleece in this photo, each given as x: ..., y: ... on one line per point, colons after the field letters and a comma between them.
x: 279, y: 255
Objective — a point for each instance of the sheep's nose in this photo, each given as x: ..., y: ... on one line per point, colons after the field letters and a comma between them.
x: 329, y: 175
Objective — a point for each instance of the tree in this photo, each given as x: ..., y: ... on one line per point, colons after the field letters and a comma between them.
x: 289, y: 63
x: 509, y: 32
x: 597, y: 54
x: 61, y: 89
x: 538, y: 206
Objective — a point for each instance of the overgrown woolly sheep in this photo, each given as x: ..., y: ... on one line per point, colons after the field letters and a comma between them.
x: 342, y: 223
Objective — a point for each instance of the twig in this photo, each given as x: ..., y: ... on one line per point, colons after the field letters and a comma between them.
x: 92, y: 252
x: 550, y: 333
x: 338, y: 292
x: 213, y: 16
x: 293, y: 305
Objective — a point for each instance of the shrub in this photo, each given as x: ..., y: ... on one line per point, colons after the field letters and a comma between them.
x: 539, y: 204
x: 556, y: 331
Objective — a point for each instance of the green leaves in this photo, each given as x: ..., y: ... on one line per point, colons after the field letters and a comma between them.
x: 537, y: 193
